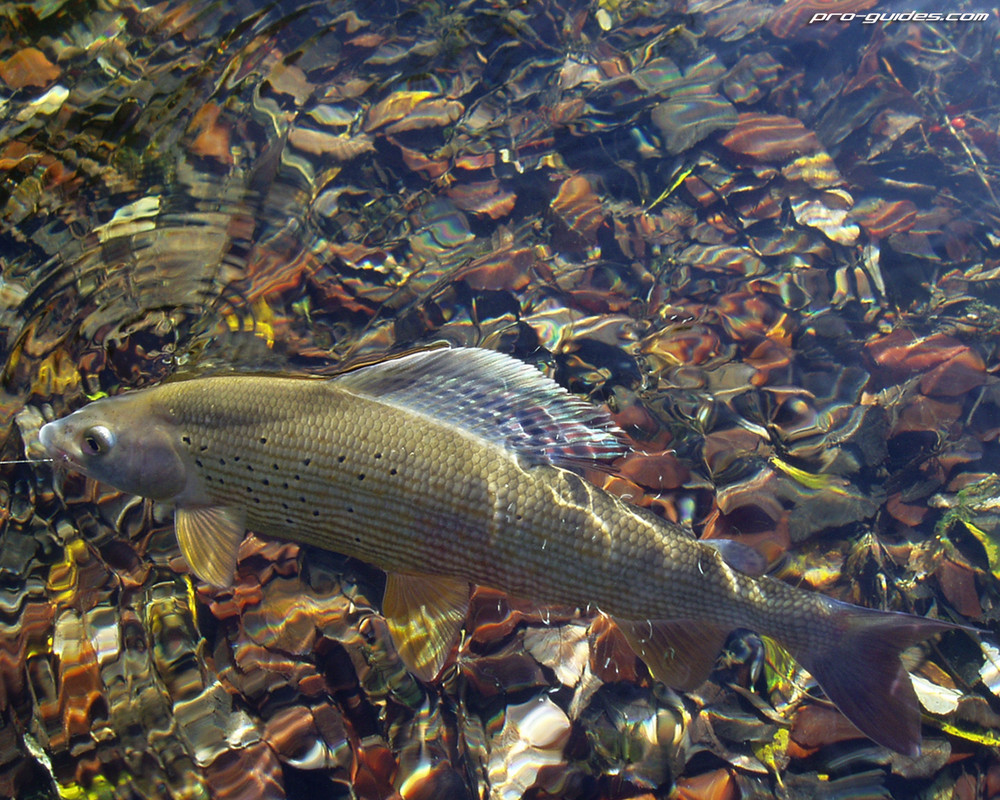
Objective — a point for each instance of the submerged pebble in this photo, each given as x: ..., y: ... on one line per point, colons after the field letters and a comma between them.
x: 780, y: 274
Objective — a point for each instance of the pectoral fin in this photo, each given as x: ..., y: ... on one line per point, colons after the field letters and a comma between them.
x: 209, y: 537
x: 424, y: 614
x: 681, y: 653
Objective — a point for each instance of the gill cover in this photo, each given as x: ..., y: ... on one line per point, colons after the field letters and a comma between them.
x: 123, y: 442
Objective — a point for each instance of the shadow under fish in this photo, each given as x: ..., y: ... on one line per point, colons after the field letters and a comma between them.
x: 453, y: 467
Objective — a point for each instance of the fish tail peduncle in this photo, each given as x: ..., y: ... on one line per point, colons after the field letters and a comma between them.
x: 856, y: 661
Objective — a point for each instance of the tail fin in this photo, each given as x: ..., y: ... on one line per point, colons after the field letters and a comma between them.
x: 861, y: 672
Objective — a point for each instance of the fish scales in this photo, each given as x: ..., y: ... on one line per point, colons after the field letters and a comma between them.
x: 337, y: 471
x: 455, y: 505
x: 443, y: 469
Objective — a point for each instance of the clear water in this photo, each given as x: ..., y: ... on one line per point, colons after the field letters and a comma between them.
x: 770, y: 245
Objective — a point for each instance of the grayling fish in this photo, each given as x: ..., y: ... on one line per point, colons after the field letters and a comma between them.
x: 446, y: 468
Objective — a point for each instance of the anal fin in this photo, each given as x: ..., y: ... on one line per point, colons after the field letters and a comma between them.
x: 424, y: 614
x: 679, y: 653
x: 209, y: 537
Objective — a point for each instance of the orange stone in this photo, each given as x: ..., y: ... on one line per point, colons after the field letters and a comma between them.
x: 717, y: 785
x: 655, y: 470
x: 958, y: 583
x: 28, y: 67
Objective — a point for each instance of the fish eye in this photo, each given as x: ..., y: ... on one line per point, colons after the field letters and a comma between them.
x: 97, y: 440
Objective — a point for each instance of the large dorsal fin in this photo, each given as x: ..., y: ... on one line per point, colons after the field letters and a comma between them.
x: 495, y: 397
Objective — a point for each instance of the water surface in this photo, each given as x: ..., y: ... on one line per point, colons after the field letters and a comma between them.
x: 769, y: 245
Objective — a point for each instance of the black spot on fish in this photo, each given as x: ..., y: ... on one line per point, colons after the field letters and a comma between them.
x: 350, y: 509
x: 357, y: 539
x: 315, y: 512
x: 249, y: 467
x: 341, y: 459
x: 285, y: 506
x: 361, y: 476
x: 256, y: 499
x: 250, y: 489
x: 186, y: 439
x: 289, y: 520
x: 198, y: 463
x: 302, y: 499
x: 263, y: 440
x: 275, y: 466
x: 236, y: 458
x: 393, y: 471
x: 203, y: 448
x: 298, y: 478
x: 284, y: 485
x: 222, y: 461
x: 378, y: 455
x: 307, y: 461
x: 266, y: 482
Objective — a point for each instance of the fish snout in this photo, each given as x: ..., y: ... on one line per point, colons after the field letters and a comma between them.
x: 49, y: 436
x: 45, y: 435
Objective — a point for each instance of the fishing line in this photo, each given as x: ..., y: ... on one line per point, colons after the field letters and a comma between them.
x: 28, y: 461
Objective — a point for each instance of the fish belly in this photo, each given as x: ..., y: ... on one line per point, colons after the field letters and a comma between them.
x: 400, y: 490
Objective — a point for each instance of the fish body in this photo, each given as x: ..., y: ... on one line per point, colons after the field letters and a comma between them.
x: 448, y: 468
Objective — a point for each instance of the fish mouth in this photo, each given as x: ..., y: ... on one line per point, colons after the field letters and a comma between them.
x: 59, y: 455
x: 62, y: 458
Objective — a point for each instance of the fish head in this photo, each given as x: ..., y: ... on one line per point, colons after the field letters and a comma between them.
x: 125, y: 442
